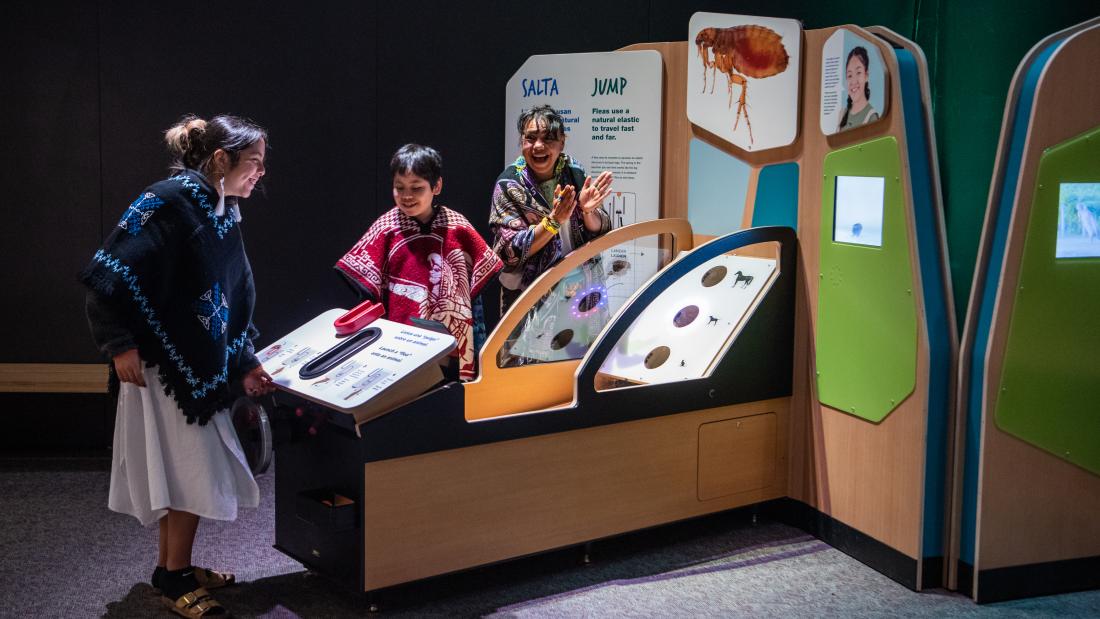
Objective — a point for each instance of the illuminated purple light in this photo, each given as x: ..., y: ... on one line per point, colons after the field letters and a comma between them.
x: 578, y: 299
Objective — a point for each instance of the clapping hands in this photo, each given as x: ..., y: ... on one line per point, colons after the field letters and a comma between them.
x: 594, y: 192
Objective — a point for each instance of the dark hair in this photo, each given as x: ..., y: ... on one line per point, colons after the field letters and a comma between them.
x: 550, y: 119
x: 192, y: 141
x: 423, y: 161
x: 861, y: 53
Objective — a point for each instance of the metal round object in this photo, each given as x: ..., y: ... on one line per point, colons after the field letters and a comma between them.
x: 253, y: 428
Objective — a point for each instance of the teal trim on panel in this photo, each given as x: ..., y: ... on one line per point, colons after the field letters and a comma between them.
x: 776, y: 196
x: 930, y: 255
x: 717, y: 186
x: 1013, y: 161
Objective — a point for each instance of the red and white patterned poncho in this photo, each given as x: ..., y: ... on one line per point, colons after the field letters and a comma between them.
x: 426, y: 271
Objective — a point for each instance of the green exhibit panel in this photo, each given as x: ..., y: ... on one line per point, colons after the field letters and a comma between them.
x: 1050, y: 379
x: 866, y: 339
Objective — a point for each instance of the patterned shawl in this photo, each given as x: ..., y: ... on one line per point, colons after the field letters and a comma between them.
x: 518, y: 207
x: 429, y: 272
x: 181, y: 284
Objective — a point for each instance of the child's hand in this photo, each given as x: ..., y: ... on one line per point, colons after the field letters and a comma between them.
x: 258, y: 382
x: 128, y: 367
x: 565, y: 200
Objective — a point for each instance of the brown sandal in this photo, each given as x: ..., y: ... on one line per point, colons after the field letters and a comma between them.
x: 198, y: 603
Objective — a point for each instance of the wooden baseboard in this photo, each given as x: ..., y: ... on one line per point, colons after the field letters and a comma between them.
x: 53, y: 378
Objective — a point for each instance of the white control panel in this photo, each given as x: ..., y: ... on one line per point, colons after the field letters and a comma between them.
x: 389, y: 362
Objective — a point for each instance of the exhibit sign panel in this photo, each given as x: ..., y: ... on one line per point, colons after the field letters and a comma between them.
x: 366, y: 373
x: 611, y: 105
x: 757, y: 60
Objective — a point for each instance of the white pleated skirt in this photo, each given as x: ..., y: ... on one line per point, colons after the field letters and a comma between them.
x: 160, y: 462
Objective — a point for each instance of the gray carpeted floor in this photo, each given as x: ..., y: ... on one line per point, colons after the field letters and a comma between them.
x: 65, y: 555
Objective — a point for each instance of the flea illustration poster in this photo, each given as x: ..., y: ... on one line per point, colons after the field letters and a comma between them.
x: 743, y: 78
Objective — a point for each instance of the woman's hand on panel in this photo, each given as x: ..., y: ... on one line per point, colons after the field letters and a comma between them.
x: 258, y: 382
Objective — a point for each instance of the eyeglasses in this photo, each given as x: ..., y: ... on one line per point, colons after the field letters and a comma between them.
x: 546, y: 140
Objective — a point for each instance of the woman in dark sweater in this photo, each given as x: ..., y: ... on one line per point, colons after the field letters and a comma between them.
x: 170, y: 298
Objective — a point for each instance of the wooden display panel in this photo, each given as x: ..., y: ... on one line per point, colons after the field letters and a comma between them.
x: 870, y: 477
x: 941, y: 437
x: 1034, y: 507
x: 445, y: 511
x: 736, y: 455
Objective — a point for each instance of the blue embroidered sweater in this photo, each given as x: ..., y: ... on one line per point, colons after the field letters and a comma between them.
x: 173, y: 280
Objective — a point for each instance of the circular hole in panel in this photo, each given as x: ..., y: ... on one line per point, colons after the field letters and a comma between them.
x: 714, y: 275
x: 562, y: 339
x: 620, y: 266
x: 657, y: 357
x: 589, y: 301
x: 686, y: 316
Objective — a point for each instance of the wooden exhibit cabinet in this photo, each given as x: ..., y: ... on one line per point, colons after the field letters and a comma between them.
x: 1028, y: 475
x: 803, y: 401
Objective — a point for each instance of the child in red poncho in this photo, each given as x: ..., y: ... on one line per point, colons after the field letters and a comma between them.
x: 423, y: 260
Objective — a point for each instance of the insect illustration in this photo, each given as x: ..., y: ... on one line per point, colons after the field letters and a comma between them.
x: 741, y: 52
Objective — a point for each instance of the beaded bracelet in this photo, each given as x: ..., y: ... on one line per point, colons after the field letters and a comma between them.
x: 551, y: 226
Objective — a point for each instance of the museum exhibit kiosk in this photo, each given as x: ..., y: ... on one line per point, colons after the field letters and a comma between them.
x: 769, y: 323
x: 1028, y: 475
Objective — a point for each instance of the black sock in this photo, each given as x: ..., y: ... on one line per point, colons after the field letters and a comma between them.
x: 175, y: 583
x: 158, y: 576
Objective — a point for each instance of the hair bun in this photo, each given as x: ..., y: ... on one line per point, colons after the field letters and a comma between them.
x: 185, y: 137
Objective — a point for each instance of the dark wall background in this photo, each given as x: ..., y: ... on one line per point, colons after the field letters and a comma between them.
x: 88, y: 87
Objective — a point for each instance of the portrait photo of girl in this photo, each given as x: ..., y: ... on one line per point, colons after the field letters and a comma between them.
x: 853, y: 83
x: 859, y: 110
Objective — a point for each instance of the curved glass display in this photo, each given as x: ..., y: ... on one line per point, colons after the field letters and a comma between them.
x: 568, y: 318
